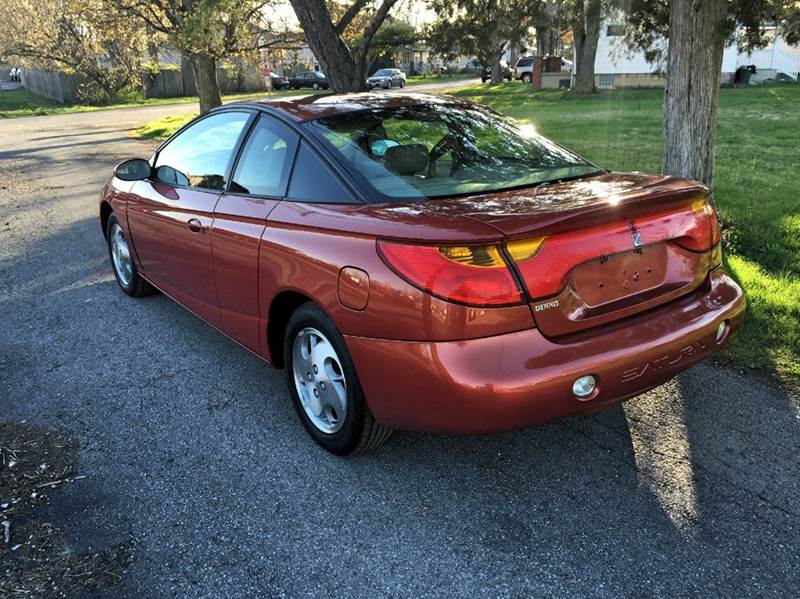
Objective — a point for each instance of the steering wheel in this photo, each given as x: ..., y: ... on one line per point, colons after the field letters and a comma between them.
x: 448, y: 143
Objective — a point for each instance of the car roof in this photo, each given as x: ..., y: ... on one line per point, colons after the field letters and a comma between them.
x: 318, y: 106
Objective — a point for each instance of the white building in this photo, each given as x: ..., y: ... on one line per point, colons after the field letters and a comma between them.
x: 616, y: 65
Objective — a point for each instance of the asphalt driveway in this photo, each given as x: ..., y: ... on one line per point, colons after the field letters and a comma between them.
x: 191, y: 448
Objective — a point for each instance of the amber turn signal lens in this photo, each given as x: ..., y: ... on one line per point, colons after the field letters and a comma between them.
x: 700, y: 206
x: 523, y: 249
x: 716, y: 256
x: 474, y: 255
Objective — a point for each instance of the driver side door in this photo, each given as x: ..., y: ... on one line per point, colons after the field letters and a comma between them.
x: 170, y: 215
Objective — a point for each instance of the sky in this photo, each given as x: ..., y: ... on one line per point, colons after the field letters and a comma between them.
x: 415, y: 12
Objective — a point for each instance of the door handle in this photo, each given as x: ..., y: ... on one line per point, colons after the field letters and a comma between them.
x: 195, y: 226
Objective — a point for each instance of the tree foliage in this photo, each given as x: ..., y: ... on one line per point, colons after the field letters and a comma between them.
x: 390, y: 37
x: 744, y: 24
x: 341, y: 36
x: 214, y: 28
x: 207, y: 31
x: 484, y: 28
x: 80, y: 37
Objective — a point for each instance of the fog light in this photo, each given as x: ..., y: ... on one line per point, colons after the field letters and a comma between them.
x: 722, y: 330
x: 584, y: 386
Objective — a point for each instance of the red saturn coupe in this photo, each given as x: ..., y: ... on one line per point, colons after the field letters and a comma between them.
x: 422, y: 263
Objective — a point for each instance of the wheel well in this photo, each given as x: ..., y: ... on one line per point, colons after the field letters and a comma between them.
x: 281, y: 309
x: 105, y: 212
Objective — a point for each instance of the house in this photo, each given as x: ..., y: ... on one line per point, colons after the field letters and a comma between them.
x: 616, y: 65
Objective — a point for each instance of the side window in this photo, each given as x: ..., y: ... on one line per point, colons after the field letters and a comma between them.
x: 199, y: 156
x: 264, y: 165
x: 312, y: 181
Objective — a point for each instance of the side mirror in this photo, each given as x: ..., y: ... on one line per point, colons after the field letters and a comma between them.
x: 135, y: 169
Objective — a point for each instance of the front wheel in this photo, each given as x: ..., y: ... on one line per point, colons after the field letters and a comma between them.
x: 315, y: 86
x: 402, y: 83
x: 526, y: 77
x: 324, y: 385
x: 122, y: 261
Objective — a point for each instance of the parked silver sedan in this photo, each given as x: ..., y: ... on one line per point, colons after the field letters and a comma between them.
x: 387, y: 78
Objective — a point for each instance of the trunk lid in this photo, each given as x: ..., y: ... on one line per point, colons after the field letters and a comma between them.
x: 599, y: 249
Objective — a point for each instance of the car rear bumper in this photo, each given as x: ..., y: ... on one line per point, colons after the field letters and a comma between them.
x: 514, y: 380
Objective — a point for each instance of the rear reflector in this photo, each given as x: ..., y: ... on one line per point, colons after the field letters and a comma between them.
x: 545, y: 262
x: 476, y: 275
x: 584, y: 387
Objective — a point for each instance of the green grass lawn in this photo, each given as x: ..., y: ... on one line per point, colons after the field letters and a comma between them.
x: 756, y: 189
x: 21, y: 102
x: 443, y: 78
x: 162, y: 128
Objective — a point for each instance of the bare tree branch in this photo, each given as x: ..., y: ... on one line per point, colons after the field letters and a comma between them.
x: 369, y: 31
x: 349, y: 15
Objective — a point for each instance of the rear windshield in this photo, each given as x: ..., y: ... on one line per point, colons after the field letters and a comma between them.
x: 437, y: 151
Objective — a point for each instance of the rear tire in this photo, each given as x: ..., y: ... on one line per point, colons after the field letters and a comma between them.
x: 323, y: 383
x: 122, y: 263
x: 525, y: 77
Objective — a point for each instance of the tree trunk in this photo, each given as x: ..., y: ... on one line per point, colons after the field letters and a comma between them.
x: 547, y: 32
x: 205, y: 78
x: 694, y: 62
x: 497, y: 71
x: 586, y: 32
x: 332, y: 53
x: 546, y: 41
x: 541, y: 41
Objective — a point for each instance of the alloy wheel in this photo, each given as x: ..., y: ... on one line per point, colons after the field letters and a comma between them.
x: 319, y: 380
x: 121, y: 256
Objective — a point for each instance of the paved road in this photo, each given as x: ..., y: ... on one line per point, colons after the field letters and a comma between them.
x: 191, y: 447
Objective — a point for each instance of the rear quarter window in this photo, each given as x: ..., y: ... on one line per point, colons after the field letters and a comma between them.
x: 313, y: 181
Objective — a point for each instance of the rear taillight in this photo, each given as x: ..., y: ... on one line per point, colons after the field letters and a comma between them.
x: 476, y: 275
x: 704, y: 232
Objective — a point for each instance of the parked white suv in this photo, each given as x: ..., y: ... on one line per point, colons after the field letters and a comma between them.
x: 524, y: 68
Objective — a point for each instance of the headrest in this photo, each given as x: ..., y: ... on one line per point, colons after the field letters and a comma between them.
x: 407, y: 160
